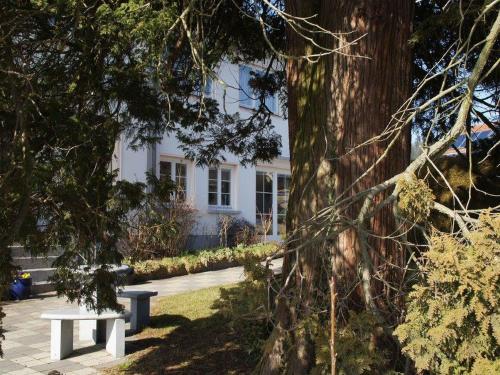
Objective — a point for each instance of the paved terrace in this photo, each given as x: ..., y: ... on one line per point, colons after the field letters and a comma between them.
x: 27, y: 338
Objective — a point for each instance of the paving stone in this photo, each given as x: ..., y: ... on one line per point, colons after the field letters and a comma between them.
x: 83, y: 371
x: 33, y: 362
x: 7, y: 366
x: 40, y: 344
x: 22, y: 360
x: 41, y: 355
x: 45, y: 360
x: 70, y: 367
x: 112, y: 363
x: 10, y: 344
x: 47, y: 366
x: 28, y: 337
x: 18, y: 352
x: 30, y: 340
x: 25, y: 371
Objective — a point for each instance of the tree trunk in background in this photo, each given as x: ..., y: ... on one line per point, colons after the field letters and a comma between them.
x: 335, y: 104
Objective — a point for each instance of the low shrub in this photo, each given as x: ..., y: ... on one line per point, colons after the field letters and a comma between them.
x: 206, y: 260
x: 246, y: 306
x: 248, y: 309
x: 161, y: 226
x: 355, y: 348
x: 453, y: 320
x: 236, y: 231
x: 241, y: 232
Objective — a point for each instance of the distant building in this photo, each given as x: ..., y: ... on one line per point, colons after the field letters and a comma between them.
x: 478, y: 132
x: 253, y: 192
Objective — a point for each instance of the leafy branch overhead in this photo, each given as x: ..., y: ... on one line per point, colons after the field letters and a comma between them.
x: 76, y: 76
x: 355, y: 80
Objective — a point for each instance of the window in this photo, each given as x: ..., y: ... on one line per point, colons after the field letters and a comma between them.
x: 219, y: 187
x: 212, y: 187
x: 264, y: 202
x: 246, y: 99
x: 249, y: 98
x: 165, y: 170
x: 272, y: 192
x: 177, y: 173
x: 207, y: 88
x: 282, y: 199
x: 181, y: 180
x: 225, y: 188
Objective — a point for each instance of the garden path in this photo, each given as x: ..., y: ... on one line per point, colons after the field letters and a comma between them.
x: 27, y: 337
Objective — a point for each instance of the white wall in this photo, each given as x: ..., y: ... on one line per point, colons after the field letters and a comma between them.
x: 133, y: 164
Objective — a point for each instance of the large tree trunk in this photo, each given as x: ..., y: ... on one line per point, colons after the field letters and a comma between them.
x: 335, y: 104
x: 367, y: 92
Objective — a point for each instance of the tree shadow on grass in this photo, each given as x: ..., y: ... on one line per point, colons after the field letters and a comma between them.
x: 201, y: 346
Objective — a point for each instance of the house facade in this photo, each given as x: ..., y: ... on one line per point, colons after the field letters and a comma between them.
x: 259, y: 193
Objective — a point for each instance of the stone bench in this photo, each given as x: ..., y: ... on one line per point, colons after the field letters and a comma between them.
x: 139, y: 307
x: 61, y: 331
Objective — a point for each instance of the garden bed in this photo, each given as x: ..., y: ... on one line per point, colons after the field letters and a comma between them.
x: 206, y: 260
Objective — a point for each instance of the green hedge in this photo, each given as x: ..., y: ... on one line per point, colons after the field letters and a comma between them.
x: 205, y: 260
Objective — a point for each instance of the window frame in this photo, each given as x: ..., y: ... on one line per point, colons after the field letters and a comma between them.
x: 174, y: 177
x: 206, y: 90
x: 262, y: 190
x: 286, y: 190
x: 275, y: 176
x: 251, y: 102
x: 219, y: 192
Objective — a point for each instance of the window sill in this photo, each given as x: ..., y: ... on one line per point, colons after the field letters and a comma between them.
x: 222, y: 210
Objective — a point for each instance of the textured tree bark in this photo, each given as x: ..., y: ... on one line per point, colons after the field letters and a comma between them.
x: 335, y: 104
x: 366, y: 92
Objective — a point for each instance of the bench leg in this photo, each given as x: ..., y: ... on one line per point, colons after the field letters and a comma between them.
x: 139, y: 308
x: 91, y: 330
x: 61, y: 339
x: 115, y: 337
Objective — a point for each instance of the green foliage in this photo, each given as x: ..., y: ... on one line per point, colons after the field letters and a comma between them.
x: 247, y: 305
x: 205, y: 260
x: 89, y: 239
x: 453, y: 320
x: 415, y: 199
x: 236, y: 231
x: 355, y: 346
x: 64, y: 84
x: 75, y: 76
x: 485, y: 366
x: 161, y: 226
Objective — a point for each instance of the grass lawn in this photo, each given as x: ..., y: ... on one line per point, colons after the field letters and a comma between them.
x: 187, y: 336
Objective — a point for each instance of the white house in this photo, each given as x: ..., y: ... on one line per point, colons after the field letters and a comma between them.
x: 249, y: 192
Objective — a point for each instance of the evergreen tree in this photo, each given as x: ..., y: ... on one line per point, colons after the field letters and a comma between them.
x: 74, y: 76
